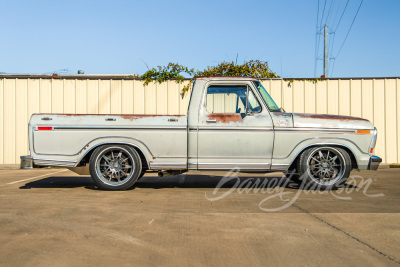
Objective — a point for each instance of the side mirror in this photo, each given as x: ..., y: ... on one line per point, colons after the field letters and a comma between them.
x: 249, y: 112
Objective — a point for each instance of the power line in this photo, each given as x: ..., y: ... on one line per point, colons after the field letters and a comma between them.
x: 335, y: 14
x: 329, y: 12
x: 333, y: 65
x: 330, y: 49
x: 316, y: 34
x: 342, y: 15
x: 322, y: 17
x: 349, y: 29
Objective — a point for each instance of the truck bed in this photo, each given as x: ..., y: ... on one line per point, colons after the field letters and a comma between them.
x: 57, y: 137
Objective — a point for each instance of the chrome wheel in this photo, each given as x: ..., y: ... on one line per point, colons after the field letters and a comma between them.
x: 114, y: 166
x: 326, y: 165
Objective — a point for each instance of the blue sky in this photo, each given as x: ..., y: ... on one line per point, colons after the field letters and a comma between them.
x: 117, y: 37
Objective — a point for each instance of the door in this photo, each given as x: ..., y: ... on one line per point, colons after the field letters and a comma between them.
x: 235, y: 129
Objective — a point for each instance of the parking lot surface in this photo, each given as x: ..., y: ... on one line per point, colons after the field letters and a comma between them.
x: 55, y: 217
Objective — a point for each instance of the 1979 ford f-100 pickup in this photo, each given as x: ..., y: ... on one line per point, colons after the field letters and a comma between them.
x: 232, y: 122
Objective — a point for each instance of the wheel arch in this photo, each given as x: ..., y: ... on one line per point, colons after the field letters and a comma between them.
x: 142, y: 150
x: 350, y: 151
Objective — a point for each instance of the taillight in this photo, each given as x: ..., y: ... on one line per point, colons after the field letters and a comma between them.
x: 45, y: 128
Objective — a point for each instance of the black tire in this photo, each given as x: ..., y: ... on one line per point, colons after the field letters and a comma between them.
x: 324, y: 168
x: 115, y: 167
x: 293, y: 175
x: 142, y: 174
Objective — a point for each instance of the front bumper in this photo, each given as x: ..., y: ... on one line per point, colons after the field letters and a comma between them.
x: 374, y: 162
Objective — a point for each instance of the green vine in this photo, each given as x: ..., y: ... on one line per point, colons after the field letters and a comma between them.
x: 314, y: 80
x: 174, y: 71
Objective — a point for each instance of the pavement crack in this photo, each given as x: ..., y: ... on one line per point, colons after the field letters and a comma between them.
x: 349, y: 235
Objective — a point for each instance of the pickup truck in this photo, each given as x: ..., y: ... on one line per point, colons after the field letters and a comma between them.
x: 231, y: 123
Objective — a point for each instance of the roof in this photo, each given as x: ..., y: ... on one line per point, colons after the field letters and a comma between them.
x: 217, y: 78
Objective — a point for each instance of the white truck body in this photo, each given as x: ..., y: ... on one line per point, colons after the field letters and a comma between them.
x: 212, y: 136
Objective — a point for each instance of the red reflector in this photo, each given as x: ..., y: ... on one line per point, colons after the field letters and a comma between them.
x: 45, y: 128
x: 371, y: 151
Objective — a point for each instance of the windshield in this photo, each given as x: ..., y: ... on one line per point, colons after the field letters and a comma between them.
x: 268, y: 99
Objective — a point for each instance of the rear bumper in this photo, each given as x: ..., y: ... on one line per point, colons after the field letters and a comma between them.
x: 374, y: 162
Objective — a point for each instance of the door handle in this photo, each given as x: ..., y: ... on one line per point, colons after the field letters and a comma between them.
x: 46, y: 119
x: 211, y: 121
x: 110, y: 119
x: 173, y: 119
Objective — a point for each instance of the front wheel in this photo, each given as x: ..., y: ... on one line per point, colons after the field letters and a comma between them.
x: 324, y: 167
x: 115, y: 167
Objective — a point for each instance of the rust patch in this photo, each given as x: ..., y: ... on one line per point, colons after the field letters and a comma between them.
x: 329, y: 117
x: 225, y: 118
x: 135, y: 117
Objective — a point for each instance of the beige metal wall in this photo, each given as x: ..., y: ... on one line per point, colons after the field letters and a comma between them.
x: 377, y: 100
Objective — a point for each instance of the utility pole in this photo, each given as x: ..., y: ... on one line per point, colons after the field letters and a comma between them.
x: 326, y: 51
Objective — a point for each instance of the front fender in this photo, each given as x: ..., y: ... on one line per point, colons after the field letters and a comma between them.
x: 284, y: 157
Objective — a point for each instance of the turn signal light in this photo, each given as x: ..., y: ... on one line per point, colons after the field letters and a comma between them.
x: 45, y: 128
x: 363, y: 131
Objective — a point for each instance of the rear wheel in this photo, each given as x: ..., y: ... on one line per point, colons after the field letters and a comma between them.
x: 115, y: 167
x: 324, y: 167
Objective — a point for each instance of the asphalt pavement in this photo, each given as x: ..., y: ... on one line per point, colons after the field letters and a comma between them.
x: 54, y: 217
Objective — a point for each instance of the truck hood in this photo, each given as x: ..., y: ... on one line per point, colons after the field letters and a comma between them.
x: 330, y: 121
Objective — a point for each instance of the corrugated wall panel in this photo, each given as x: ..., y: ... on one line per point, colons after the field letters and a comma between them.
x: 138, y: 97
x: 287, y: 96
x: 173, y: 98
x: 275, y: 90
x: 92, y: 96
x: 162, y: 98
x: 391, y: 120
x: 298, y: 97
x: 321, y: 97
x: 150, y: 98
x: 379, y: 117
x: 69, y: 96
x: 21, y: 117
x: 9, y: 121
x: 344, y: 96
x: 184, y: 102
x: 81, y: 95
x: 355, y: 98
x: 57, y: 96
x: 377, y: 100
x: 368, y: 100
x: 116, y: 97
x: 333, y: 97
x: 45, y: 96
x: 1, y: 121
x: 104, y: 97
x: 33, y: 103
x: 127, y: 97
x: 398, y: 119
x: 309, y: 97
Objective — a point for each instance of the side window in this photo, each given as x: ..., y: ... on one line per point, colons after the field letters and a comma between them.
x: 231, y: 99
x: 253, y: 104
